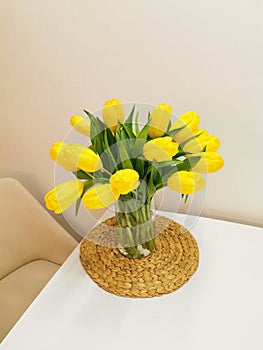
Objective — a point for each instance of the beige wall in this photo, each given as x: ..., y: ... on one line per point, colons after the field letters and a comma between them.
x: 59, y: 56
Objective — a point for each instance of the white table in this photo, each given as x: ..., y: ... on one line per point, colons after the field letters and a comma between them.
x: 221, y: 307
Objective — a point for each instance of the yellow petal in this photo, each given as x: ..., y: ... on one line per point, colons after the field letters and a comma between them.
x: 210, y: 162
x: 55, y: 150
x: 80, y: 124
x: 197, y: 144
x: 75, y: 156
x: 113, y: 112
x: 186, y: 182
x: 100, y: 197
x: 124, y: 181
x: 160, y: 118
x: 89, y: 161
x: 211, y: 142
x: 63, y: 196
x: 57, y: 153
x: 161, y: 149
x: 190, y: 120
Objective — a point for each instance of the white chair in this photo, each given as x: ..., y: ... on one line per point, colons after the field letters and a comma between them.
x: 32, y: 247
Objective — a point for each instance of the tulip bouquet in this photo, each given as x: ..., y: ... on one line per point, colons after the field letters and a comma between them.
x: 126, y: 163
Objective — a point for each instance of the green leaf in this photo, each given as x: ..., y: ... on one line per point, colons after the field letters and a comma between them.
x: 141, y: 139
x: 144, y: 132
x: 169, y: 125
x: 150, y: 182
x: 149, y: 115
x: 78, y: 201
x: 87, y: 185
x: 190, y: 139
x: 124, y: 157
x: 175, y: 131
x: 101, y: 180
x: 191, y: 161
x: 118, y: 134
x: 96, y: 133
x: 137, y: 148
x: 80, y: 174
x: 111, y: 139
x: 140, y: 194
x: 130, y: 117
x: 139, y: 166
x: 136, y: 124
x: 156, y: 176
x: 128, y: 130
x: 102, y: 138
x: 186, y: 165
x: 92, y: 148
x: 181, y: 153
x: 90, y: 115
x: 107, y: 157
x: 168, y: 163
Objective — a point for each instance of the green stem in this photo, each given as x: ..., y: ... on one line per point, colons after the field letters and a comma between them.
x: 136, y: 227
x: 107, y: 171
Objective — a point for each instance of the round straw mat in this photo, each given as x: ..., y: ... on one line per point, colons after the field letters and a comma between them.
x: 171, y: 264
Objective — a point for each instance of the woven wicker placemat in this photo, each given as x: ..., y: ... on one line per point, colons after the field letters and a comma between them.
x: 167, y: 268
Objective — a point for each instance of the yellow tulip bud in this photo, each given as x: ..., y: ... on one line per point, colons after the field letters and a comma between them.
x: 63, y: 196
x: 210, y: 162
x: 74, y: 156
x: 100, y: 197
x: 80, y: 124
x: 125, y: 181
x: 160, y: 118
x: 197, y: 144
x: 113, y: 112
x: 57, y: 154
x: 186, y: 182
x: 190, y: 121
x: 87, y: 159
x: 160, y: 149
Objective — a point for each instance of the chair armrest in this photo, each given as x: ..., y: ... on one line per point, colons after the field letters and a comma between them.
x: 27, y: 231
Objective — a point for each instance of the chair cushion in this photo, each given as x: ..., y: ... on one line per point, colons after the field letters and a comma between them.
x: 19, y: 289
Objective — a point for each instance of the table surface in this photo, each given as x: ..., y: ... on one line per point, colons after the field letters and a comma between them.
x: 219, y: 308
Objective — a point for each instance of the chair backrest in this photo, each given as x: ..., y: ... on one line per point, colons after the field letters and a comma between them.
x: 27, y: 231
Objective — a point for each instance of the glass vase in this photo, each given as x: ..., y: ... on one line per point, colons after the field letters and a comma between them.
x: 136, y: 227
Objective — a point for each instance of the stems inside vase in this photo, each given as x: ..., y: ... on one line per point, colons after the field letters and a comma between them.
x: 136, y: 227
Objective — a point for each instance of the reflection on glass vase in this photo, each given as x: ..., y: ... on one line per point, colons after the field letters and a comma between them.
x: 136, y: 226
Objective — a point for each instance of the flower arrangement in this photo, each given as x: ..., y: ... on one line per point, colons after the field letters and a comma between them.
x: 126, y: 164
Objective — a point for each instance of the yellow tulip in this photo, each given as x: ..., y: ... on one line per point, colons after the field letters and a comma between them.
x: 89, y: 161
x: 57, y: 154
x: 190, y: 121
x: 186, y: 182
x: 63, y: 196
x: 125, y: 181
x: 197, y: 144
x: 100, y: 197
x: 113, y: 112
x: 80, y: 124
x: 74, y: 156
x: 160, y: 149
x: 160, y: 118
x: 210, y: 162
